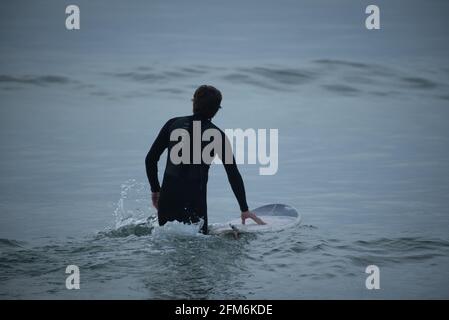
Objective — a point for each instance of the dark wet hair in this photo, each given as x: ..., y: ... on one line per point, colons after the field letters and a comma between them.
x: 206, y: 101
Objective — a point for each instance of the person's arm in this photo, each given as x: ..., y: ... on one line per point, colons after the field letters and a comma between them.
x: 152, y: 158
x: 236, y: 181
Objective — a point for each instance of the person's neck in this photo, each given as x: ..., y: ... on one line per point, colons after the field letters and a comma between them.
x: 197, y: 116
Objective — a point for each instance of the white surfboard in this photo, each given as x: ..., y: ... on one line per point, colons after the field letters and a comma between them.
x: 276, y: 216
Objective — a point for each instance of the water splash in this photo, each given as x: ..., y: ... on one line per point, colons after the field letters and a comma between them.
x: 133, y: 216
x: 133, y: 207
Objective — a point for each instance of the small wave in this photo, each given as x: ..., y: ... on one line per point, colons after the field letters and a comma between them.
x: 41, y: 80
x: 282, y: 75
x: 342, y: 89
x: 381, y: 251
x: 5, y: 243
x: 396, y: 250
x: 419, y: 83
x: 173, y: 91
x: 151, y: 75
x: 246, y: 79
x: 403, y: 244
x: 131, y: 228
x: 128, y: 230
x: 331, y: 62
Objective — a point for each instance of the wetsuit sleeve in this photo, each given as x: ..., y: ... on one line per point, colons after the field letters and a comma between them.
x: 156, y: 150
x: 234, y: 177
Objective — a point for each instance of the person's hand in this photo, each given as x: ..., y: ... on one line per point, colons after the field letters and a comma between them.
x: 155, y: 199
x: 251, y: 215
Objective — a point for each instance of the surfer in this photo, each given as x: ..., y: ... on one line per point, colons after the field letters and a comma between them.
x: 182, y: 196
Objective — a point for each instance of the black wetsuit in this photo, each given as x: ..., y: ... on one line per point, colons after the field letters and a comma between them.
x: 184, y: 187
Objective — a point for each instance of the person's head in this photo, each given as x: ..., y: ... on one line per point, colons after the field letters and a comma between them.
x: 206, y: 101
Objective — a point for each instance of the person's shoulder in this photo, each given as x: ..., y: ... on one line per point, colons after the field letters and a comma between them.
x: 214, y: 126
x: 173, y: 120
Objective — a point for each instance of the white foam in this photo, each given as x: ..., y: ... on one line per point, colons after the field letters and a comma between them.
x: 176, y: 228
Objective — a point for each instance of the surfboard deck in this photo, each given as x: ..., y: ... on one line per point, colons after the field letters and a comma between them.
x: 276, y: 216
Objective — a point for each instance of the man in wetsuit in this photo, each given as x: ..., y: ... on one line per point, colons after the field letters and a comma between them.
x: 182, y: 196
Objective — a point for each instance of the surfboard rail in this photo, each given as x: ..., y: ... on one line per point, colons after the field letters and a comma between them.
x: 276, y: 216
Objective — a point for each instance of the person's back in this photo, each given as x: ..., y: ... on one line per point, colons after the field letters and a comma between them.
x: 183, y: 194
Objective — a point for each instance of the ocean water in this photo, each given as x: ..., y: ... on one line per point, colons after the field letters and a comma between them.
x: 363, y: 120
